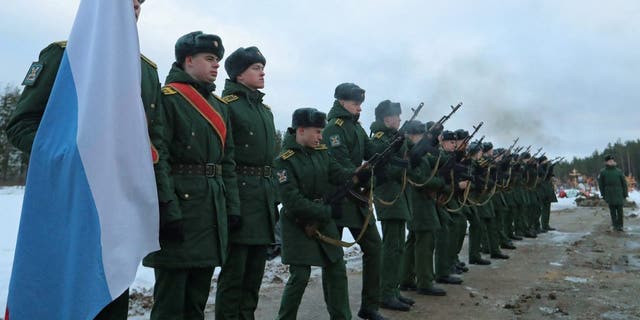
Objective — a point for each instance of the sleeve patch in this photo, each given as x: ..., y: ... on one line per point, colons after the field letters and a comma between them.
x: 282, y: 176
x: 32, y: 74
x: 230, y: 98
x: 378, y: 135
x: 335, y: 140
x: 168, y: 90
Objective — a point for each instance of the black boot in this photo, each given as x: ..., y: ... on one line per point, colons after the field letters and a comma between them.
x: 406, y: 300
x: 393, y: 304
x: 407, y: 287
x: 508, y: 246
x: 499, y: 255
x: 449, y: 280
x: 432, y: 291
x: 479, y: 261
x: 515, y: 237
x: 370, y: 314
x: 548, y: 228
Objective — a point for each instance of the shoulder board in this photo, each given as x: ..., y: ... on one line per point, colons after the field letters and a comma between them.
x: 219, y: 99
x: 339, y: 122
x: 378, y: 135
x: 230, y: 98
x: 147, y: 60
x: 266, y: 106
x: 321, y: 147
x: 61, y: 44
x: 287, y: 154
x: 167, y: 90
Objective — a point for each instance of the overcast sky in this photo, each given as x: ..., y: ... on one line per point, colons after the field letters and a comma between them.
x: 562, y: 75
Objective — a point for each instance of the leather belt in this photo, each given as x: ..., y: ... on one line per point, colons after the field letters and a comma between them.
x: 207, y: 169
x: 254, y: 171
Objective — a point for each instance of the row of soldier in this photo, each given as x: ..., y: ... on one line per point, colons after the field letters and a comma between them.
x: 219, y: 190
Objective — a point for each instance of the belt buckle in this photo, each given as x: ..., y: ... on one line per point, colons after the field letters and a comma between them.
x: 266, y: 171
x: 210, y: 169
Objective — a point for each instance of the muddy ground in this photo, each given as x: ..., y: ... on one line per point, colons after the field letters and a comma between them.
x: 581, y: 271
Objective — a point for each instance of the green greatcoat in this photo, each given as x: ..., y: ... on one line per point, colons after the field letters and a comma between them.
x: 201, y: 202
x: 305, y: 175
x: 25, y: 120
x: 349, y: 144
x: 392, y: 203
x: 255, y: 149
x: 254, y: 137
x: 613, y: 185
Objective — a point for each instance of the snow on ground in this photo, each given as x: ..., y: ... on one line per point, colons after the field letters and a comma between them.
x: 563, y: 203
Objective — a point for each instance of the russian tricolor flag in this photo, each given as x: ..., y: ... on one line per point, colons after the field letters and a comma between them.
x: 90, y: 205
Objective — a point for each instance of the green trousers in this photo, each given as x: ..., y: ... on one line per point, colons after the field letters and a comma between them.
x: 489, y: 227
x: 181, y: 294
x: 509, y: 220
x: 475, y: 235
x: 417, y: 265
x: 546, y: 214
x: 334, y: 287
x: 457, y: 233
x: 371, y: 246
x: 617, y: 217
x: 239, y: 282
x: 501, y: 228
x: 118, y: 309
x: 520, y: 221
x: 443, y: 258
x: 393, y: 242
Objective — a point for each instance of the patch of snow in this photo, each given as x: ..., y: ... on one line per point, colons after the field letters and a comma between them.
x: 563, y: 203
x: 10, y: 208
x: 576, y: 279
x: 556, y: 264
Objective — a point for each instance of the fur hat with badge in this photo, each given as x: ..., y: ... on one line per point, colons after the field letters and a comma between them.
x: 198, y: 42
x: 241, y: 59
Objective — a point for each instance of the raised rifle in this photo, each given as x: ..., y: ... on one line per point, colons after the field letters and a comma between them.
x: 467, y: 139
x: 537, y: 152
x: 512, y: 145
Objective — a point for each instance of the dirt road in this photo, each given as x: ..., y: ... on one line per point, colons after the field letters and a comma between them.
x: 581, y: 271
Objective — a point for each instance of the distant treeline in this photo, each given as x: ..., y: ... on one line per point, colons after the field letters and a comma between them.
x: 13, y: 163
x: 627, y: 156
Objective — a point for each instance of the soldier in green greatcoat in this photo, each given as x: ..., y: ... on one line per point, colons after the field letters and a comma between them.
x: 306, y: 176
x: 21, y: 128
x: 501, y: 199
x: 418, y: 263
x: 613, y: 187
x: 349, y: 145
x: 392, y: 203
x: 196, y: 180
x: 549, y: 191
x: 255, y: 150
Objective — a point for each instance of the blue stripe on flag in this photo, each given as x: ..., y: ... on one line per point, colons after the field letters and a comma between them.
x: 59, y: 236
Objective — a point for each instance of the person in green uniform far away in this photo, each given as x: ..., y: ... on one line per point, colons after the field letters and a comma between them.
x: 196, y: 180
x: 392, y: 203
x: 306, y: 177
x: 23, y: 124
x: 613, y: 188
x: 349, y: 144
x: 254, y: 137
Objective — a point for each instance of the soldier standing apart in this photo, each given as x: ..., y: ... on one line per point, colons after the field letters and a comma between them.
x: 196, y: 181
x: 255, y: 149
x: 349, y: 145
x: 24, y: 122
x: 392, y: 202
x: 305, y: 174
x: 613, y: 187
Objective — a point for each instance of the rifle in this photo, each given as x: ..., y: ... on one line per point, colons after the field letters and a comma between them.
x: 528, y: 148
x: 518, y: 149
x: 377, y: 159
x: 535, y: 154
x: 445, y: 118
x: 512, y: 145
x: 467, y: 139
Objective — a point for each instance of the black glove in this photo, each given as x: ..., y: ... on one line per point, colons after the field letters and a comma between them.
x: 172, y: 231
x: 234, y: 222
x: 363, y: 176
x: 336, y: 210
